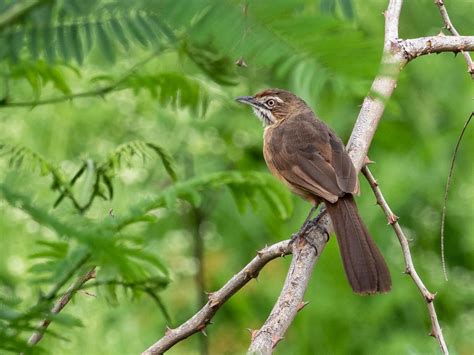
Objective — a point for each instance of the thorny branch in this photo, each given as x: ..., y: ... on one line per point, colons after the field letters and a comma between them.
x: 429, y: 297
x: 59, y: 305
x: 450, y: 27
x: 201, y: 319
x: 396, y: 54
x: 265, y: 339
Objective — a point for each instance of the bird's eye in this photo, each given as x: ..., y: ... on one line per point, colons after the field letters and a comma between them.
x: 271, y: 103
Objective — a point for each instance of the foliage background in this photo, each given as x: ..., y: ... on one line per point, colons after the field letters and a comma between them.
x: 180, y: 98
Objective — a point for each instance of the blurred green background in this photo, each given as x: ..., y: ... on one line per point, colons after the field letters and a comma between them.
x: 170, y: 75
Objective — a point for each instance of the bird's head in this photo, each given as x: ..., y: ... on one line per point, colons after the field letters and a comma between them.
x: 273, y: 105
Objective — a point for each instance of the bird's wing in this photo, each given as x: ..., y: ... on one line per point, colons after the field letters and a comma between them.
x: 307, y: 154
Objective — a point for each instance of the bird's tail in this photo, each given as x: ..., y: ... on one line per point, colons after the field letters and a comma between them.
x: 365, y: 266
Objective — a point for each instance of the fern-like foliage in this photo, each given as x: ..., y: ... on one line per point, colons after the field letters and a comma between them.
x: 67, y: 38
x: 20, y: 157
x: 246, y: 188
x: 120, y: 258
x: 170, y: 88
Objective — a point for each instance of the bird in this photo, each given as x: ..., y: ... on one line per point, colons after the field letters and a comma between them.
x: 306, y: 155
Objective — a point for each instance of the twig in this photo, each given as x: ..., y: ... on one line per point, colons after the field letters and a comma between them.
x: 450, y: 27
x: 59, y: 305
x: 446, y: 191
x: 101, y: 91
x: 409, y: 266
x: 216, y: 299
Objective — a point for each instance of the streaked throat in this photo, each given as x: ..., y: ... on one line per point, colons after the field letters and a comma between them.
x: 264, y: 115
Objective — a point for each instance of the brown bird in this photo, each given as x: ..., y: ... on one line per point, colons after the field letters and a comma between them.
x: 311, y: 160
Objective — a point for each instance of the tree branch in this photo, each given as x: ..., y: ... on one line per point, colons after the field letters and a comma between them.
x: 59, y: 305
x: 100, y: 91
x: 396, y: 54
x: 216, y: 299
x: 290, y: 301
x: 416, y: 47
x: 409, y: 266
x: 265, y: 339
x: 450, y: 27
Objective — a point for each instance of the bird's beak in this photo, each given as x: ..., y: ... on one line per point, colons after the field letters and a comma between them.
x: 249, y: 100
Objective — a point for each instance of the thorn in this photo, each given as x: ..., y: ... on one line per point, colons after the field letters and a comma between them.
x: 301, y: 305
x: 253, y: 333
x: 430, y: 297
x: 241, y: 63
x: 432, y: 334
x: 275, y: 340
x: 211, y: 296
x: 367, y: 161
x: 168, y: 330
x: 203, y: 331
x: 111, y: 213
x: 88, y: 293
x: 392, y: 219
x: 407, y: 271
x: 260, y: 253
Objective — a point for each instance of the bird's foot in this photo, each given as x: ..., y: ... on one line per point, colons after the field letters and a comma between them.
x: 303, y: 234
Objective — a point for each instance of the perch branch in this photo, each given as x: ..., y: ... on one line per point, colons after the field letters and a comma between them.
x: 284, y: 311
x: 59, y: 305
x: 429, y: 297
x: 201, y: 319
x: 450, y: 27
x: 396, y: 54
x: 290, y: 301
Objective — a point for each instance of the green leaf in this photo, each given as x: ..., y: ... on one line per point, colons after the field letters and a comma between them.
x: 347, y: 8
x: 48, y: 36
x: 105, y: 44
x: 62, y: 33
x: 328, y: 6
x: 33, y: 37
x: 166, y: 159
x: 76, y: 44
x: 134, y: 29
x: 66, y: 319
x: 59, y: 81
x: 88, y: 36
x: 118, y: 31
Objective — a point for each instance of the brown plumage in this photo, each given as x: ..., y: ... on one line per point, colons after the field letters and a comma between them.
x: 311, y: 160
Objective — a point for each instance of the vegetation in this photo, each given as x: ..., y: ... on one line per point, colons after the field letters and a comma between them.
x: 121, y: 148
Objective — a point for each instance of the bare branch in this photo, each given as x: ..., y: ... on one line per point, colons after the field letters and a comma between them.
x: 201, y: 319
x: 59, y: 305
x: 264, y: 340
x: 436, y: 44
x: 450, y: 27
x: 397, y: 53
x: 410, y: 267
x: 392, y: 18
x: 446, y: 191
x: 290, y: 301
